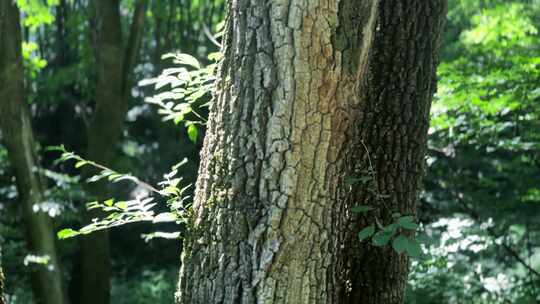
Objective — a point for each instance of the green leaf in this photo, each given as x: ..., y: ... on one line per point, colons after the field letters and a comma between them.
x: 196, y: 95
x: 400, y: 243
x: 109, y: 202
x: 66, y: 233
x: 366, y: 232
x: 160, y: 234
x: 413, y: 248
x: 94, y: 178
x: 59, y: 148
x: 187, y: 60
x: 121, y: 205
x: 391, y: 228
x: 80, y: 163
x: 178, y: 118
x: 164, y: 217
x: 423, y: 238
x: 92, y: 205
x: 361, y: 209
x: 114, y: 176
x: 193, y: 132
x: 216, y: 56
x: 407, y: 222
x: 381, y: 238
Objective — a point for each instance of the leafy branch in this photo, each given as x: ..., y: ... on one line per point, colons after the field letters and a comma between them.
x: 189, y: 83
x: 397, y: 232
x: 139, y: 209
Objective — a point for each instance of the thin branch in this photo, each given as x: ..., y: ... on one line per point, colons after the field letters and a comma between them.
x: 132, y: 178
x: 378, y: 194
x: 211, y: 37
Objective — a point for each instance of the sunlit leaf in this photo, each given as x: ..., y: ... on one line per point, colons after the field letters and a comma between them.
x: 67, y: 233
x: 193, y: 132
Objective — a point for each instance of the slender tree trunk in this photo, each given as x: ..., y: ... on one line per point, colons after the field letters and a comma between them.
x: 103, y: 133
x: 115, y: 65
x: 304, y: 85
x: 63, y: 52
x: 158, y: 13
x: 19, y: 140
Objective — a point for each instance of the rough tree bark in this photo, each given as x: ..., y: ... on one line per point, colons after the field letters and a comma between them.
x: 115, y: 63
x: 390, y: 132
x: 18, y: 137
x: 303, y: 87
x: 265, y: 201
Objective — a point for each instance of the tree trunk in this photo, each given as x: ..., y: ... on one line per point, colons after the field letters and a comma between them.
x: 19, y: 140
x: 301, y: 87
x: 115, y: 64
x: 391, y: 133
x: 264, y: 206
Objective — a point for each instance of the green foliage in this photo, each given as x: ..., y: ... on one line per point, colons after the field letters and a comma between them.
x: 140, y: 209
x: 361, y: 209
x: 501, y: 27
x: 36, y: 12
x: 407, y: 222
x: 185, y: 90
x: 59, y: 61
x: 402, y: 233
x: 32, y: 63
x: 483, y: 171
x: 366, y: 232
x: 147, y: 286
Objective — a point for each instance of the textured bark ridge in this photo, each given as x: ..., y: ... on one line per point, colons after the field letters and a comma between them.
x: 272, y: 221
x: 18, y: 137
x: 263, y: 209
x: 392, y: 126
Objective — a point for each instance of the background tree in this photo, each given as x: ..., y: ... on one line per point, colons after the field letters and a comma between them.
x: 296, y: 96
x: 116, y: 61
x: 61, y: 74
x: 18, y: 137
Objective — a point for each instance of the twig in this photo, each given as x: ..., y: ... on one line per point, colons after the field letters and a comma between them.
x: 133, y: 178
x: 378, y: 193
x: 210, y: 36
